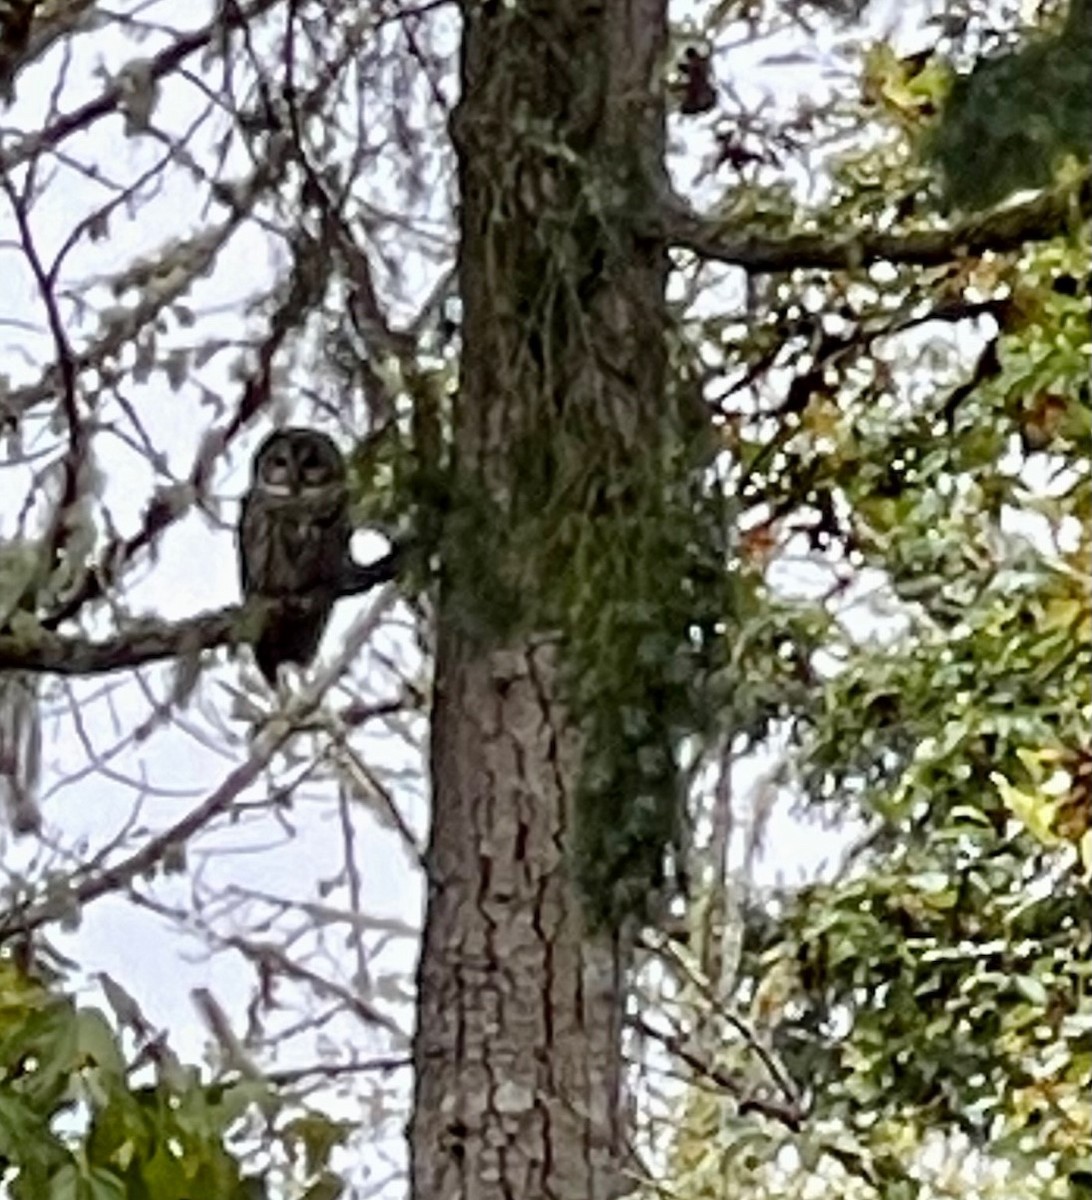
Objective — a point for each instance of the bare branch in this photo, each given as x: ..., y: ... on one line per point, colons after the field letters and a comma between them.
x: 664, y: 947
x: 152, y: 640
x: 272, y: 958
x: 110, y: 101
x: 385, y: 1065
x: 785, y: 1110
x: 75, y: 459
x: 42, y: 910
x: 120, y: 326
x: 1047, y: 215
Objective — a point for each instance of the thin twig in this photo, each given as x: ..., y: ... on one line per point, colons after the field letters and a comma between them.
x: 37, y: 912
x: 787, y: 1111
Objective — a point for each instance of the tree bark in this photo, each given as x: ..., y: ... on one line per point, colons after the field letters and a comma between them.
x: 517, y: 1049
x: 518, y: 1045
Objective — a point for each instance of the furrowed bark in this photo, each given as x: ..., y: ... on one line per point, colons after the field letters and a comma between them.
x: 517, y: 1052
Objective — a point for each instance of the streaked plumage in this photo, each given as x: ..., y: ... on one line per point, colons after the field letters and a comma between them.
x: 294, y: 541
x: 20, y: 718
x: 20, y: 751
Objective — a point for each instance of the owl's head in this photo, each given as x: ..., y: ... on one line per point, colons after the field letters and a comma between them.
x: 297, y: 462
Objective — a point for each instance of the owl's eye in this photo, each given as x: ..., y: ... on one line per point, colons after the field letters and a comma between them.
x: 276, y: 469
x: 313, y: 470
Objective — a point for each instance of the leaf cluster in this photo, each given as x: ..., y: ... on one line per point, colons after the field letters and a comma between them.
x: 929, y: 454
x: 76, y: 1125
x: 1010, y: 122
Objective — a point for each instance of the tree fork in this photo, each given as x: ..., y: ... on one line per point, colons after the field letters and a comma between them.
x: 518, y: 1045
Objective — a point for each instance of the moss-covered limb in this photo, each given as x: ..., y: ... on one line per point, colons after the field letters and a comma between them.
x: 1045, y: 216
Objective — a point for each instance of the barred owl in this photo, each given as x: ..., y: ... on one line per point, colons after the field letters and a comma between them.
x: 294, y: 542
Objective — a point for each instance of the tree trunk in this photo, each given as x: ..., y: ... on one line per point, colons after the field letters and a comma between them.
x: 518, y: 1046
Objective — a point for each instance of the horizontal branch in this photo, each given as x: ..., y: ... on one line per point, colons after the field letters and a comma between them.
x: 43, y: 652
x: 1047, y: 215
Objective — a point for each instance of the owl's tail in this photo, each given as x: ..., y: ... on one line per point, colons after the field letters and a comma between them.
x: 292, y: 635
